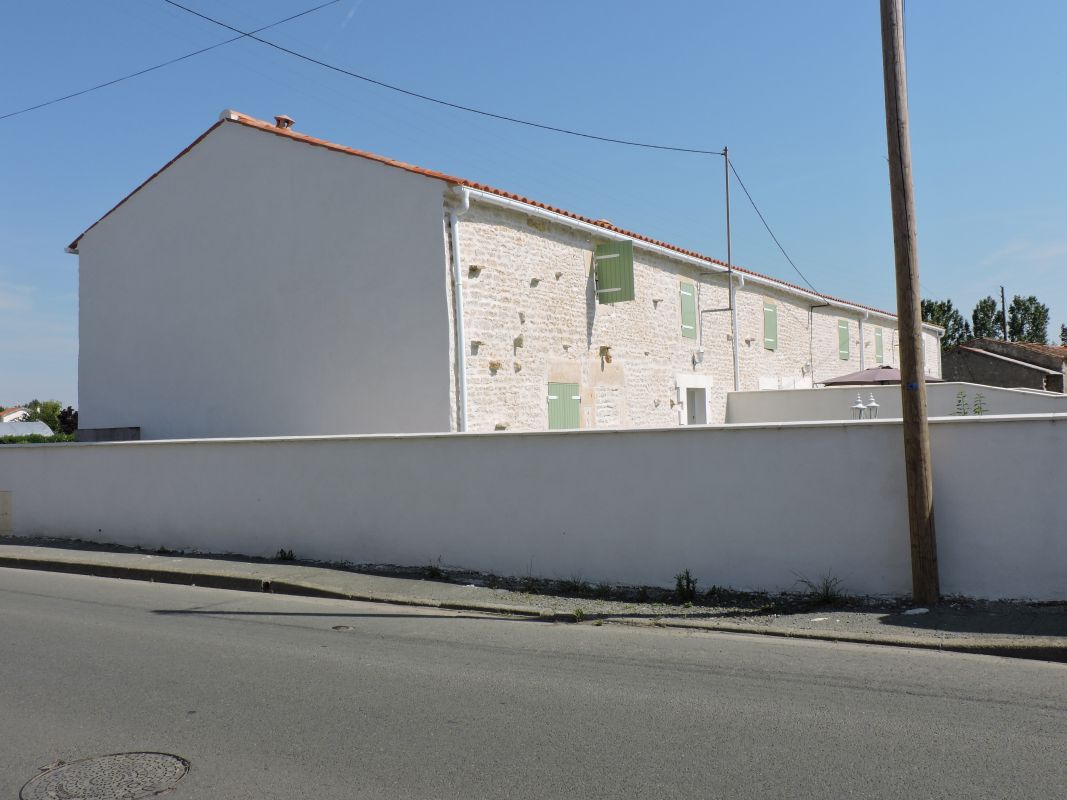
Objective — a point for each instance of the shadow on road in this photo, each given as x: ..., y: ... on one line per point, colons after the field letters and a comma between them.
x: 1016, y: 619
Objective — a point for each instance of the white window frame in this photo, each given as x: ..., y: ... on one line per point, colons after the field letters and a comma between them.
x: 688, y: 380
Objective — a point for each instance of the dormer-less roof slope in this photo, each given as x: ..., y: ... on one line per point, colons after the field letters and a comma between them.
x: 1052, y: 350
x: 998, y: 357
x: 234, y: 117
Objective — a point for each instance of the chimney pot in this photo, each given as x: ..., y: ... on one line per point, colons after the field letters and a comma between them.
x: 283, y: 121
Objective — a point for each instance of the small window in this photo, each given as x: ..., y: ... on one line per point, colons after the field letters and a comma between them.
x: 770, y: 326
x: 564, y: 405
x: 614, y: 270
x: 842, y: 339
x: 687, y: 294
x: 879, y: 352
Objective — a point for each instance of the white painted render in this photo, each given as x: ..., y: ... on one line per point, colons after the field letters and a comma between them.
x: 263, y: 286
x: 835, y: 403
x: 744, y: 506
x: 1000, y: 521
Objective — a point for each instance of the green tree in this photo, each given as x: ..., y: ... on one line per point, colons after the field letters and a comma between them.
x: 1063, y: 335
x: 1027, y: 320
x: 986, y: 319
x: 67, y: 420
x: 942, y: 313
x: 46, y: 411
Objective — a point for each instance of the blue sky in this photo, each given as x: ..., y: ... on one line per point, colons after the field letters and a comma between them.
x: 794, y: 89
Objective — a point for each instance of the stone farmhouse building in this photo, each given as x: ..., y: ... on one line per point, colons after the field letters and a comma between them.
x: 268, y: 283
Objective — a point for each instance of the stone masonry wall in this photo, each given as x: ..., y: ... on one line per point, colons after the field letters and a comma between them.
x: 531, y: 317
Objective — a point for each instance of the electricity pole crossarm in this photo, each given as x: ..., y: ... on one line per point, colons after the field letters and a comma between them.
x: 917, y: 463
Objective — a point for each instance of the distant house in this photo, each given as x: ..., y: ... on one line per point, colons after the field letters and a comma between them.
x: 14, y: 414
x: 263, y: 269
x: 994, y: 362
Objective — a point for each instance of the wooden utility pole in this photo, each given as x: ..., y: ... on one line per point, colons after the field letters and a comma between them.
x: 917, y: 465
x: 1003, y: 315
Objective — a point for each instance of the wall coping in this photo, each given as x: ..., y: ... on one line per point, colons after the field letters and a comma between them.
x: 681, y: 430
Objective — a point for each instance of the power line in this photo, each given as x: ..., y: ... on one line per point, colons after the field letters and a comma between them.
x: 410, y: 93
x: 768, y: 227
x: 164, y: 64
x: 502, y: 117
x: 439, y: 101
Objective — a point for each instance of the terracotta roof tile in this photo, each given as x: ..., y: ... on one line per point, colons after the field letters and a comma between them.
x: 289, y: 133
x: 999, y: 357
x: 73, y: 246
x: 1054, y: 350
x: 600, y: 223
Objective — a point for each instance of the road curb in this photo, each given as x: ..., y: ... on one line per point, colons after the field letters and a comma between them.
x: 270, y: 586
x: 237, y: 582
x: 1040, y: 649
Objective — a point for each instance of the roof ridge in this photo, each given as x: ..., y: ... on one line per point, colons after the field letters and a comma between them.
x: 253, y: 122
x: 245, y: 120
x: 1054, y: 348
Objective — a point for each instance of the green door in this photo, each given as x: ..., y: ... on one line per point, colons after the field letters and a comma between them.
x: 564, y: 404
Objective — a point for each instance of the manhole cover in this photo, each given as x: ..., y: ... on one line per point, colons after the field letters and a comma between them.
x: 123, y: 776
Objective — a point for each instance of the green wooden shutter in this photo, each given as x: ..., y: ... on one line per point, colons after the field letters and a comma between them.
x: 687, y: 293
x: 842, y: 339
x: 564, y: 405
x: 614, y: 265
x: 770, y: 326
x: 879, y: 353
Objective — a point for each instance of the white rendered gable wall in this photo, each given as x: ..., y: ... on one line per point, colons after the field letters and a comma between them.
x: 259, y: 286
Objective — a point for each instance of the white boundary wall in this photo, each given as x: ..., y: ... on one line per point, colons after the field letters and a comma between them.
x: 744, y: 506
x: 835, y: 402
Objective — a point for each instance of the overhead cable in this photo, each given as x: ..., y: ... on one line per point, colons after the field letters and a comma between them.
x: 768, y: 227
x: 439, y: 101
x: 164, y: 64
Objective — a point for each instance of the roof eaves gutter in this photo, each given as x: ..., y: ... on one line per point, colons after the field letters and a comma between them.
x: 607, y: 233
x: 705, y: 264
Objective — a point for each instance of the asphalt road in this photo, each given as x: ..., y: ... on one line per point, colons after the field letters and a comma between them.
x: 267, y: 700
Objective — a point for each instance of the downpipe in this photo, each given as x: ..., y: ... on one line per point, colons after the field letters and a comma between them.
x: 457, y: 294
